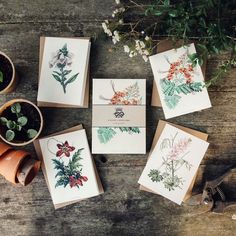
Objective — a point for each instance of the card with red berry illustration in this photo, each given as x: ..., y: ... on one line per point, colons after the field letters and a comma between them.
x: 173, y: 163
x: 63, y: 71
x: 179, y: 81
x: 69, y: 167
x: 119, y: 110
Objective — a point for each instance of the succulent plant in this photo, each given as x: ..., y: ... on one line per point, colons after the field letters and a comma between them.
x: 17, y: 125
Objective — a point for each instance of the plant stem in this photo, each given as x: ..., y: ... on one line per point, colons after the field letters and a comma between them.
x: 172, y: 170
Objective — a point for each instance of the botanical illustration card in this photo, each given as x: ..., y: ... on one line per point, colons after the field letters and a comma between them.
x: 180, y: 84
x: 64, y: 71
x: 119, y: 116
x: 69, y: 168
x: 173, y: 163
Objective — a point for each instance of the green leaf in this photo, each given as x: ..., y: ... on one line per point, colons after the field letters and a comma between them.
x: 31, y: 133
x: 10, y: 135
x: 72, y: 79
x: 3, y: 120
x: 18, y: 127
x: 16, y: 108
x: 56, y: 77
x: 166, y: 3
x: 173, y: 13
x: 158, y: 13
x: 55, y: 72
x: 1, y: 77
x: 11, y: 124
x: 66, y: 72
x: 22, y: 120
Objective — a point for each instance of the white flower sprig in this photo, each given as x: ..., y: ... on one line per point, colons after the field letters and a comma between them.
x: 135, y: 43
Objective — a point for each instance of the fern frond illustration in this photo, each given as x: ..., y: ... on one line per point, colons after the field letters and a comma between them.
x: 172, y: 162
x: 105, y: 134
x: 179, y: 80
x: 70, y: 173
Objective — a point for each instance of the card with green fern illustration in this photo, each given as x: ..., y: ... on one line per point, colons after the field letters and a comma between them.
x: 119, y: 110
x: 68, y: 165
x: 173, y: 163
x: 63, y: 71
x: 179, y: 81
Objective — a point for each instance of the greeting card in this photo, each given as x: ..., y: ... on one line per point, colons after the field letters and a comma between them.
x: 173, y: 162
x: 119, y: 116
x: 63, y: 72
x: 68, y: 167
x: 180, y: 85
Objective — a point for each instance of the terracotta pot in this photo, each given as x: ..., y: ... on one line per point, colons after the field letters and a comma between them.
x: 13, y: 82
x: 21, y: 143
x: 17, y: 163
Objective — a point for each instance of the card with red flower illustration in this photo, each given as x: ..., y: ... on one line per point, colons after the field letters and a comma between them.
x: 63, y: 72
x: 119, y: 116
x: 179, y: 82
x: 173, y: 163
x: 69, y: 168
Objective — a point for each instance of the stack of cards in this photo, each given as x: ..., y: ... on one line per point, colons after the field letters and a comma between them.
x: 68, y: 167
x: 119, y: 116
x: 180, y: 85
x: 173, y: 162
x: 63, y: 72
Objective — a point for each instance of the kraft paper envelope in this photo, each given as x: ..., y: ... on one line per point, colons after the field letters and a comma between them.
x: 160, y: 128
x: 39, y: 154
x: 50, y: 104
x: 166, y: 45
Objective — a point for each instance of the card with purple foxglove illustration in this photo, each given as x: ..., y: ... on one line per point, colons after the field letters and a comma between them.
x: 68, y: 167
x: 119, y: 116
x: 63, y: 72
x: 173, y: 163
x: 180, y: 83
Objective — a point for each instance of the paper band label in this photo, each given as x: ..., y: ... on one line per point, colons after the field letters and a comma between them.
x: 119, y: 116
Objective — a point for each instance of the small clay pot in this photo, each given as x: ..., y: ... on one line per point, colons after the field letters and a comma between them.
x: 17, y: 166
x: 8, y: 69
x: 37, y: 112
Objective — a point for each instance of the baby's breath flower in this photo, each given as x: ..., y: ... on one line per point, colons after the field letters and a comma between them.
x: 126, y: 48
x: 117, y: 2
x: 145, y: 58
x: 121, y: 21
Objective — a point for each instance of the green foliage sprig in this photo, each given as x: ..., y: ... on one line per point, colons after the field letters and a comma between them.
x: 17, y: 125
x: 140, y: 27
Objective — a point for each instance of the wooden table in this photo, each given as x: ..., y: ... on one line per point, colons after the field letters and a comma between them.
x: 122, y: 209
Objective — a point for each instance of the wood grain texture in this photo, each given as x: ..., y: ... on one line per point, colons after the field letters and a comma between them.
x: 122, y: 209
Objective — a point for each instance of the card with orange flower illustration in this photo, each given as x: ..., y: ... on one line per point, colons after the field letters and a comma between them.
x: 119, y: 116
x: 180, y: 83
x: 173, y: 163
x: 69, y: 167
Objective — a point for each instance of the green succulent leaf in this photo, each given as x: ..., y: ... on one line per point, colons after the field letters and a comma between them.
x: 10, y: 135
x: 16, y: 108
x: 1, y: 77
x: 11, y: 124
x: 18, y: 127
x: 3, y: 120
x: 31, y: 133
x: 22, y: 121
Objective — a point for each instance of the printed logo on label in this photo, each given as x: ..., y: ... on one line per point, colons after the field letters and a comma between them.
x: 119, y: 112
